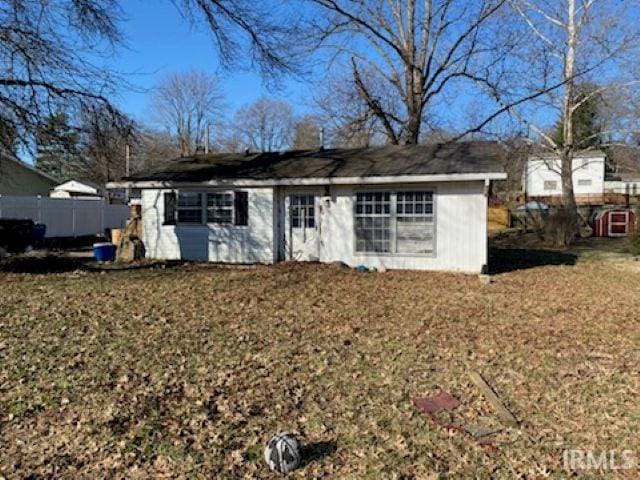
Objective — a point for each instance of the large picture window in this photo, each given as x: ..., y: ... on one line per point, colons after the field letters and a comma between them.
x: 395, y: 222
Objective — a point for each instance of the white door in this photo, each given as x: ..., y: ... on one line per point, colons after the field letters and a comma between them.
x: 302, y: 242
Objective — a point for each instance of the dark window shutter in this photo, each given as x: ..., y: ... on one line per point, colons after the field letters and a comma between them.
x: 242, y: 208
x: 169, y: 208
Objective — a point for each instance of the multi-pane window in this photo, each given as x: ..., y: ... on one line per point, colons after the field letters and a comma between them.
x: 373, y: 222
x: 584, y: 182
x: 414, y: 222
x: 303, y: 211
x: 189, y: 207
x: 199, y: 208
x: 220, y: 207
x: 395, y: 222
x: 550, y: 185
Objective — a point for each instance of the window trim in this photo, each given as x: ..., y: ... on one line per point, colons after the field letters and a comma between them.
x: 544, y: 185
x: 204, y: 209
x: 433, y: 190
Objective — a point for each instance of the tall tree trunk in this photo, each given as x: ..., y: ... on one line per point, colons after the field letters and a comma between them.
x: 567, y: 148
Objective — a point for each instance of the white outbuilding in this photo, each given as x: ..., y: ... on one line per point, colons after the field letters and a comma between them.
x: 398, y: 207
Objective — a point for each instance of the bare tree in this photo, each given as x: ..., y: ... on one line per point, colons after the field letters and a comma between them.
x: 258, y: 25
x: 151, y: 148
x: 566, y: 43
x: 102, y: 145
x: 184, y: 103
x: 45, y: 46
x: 348, y: 121
x: 307, y: 133
x: 266, y: 125
x: 403, y: 54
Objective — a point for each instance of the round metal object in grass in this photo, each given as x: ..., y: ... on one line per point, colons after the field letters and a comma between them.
x: 282, y: 453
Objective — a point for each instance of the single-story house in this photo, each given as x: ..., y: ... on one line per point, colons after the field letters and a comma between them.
x: 19, y: 178
x: 405, y: 207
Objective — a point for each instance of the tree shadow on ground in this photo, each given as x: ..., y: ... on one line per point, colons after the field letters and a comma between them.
x: 316, y: 451
x: 503, y: 260
x: 40, y: 264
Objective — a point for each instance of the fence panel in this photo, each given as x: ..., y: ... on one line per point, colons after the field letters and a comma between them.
x: 65, y: 217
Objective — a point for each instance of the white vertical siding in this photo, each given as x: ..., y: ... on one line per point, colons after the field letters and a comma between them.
x: 587, y: 168
x: 213, y: 243
x: 461, y: 230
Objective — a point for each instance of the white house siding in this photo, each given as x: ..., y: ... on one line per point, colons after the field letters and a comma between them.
x: 540, y: 171
x: 460, y: 225
x: 214, y: 243
x: 460, y: 218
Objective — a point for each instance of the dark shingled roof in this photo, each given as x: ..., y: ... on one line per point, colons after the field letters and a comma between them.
x: 461, y: 157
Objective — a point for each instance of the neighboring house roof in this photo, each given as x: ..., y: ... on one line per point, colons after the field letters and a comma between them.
x: 19, y: 178
x: 461, y: 160
x: 82, y: 187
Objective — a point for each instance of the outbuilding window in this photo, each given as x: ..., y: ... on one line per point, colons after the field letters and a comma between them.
x: 395, y: 222
x: 550, y: 185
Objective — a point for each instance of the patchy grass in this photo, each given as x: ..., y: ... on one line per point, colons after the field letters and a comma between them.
x: 187, y: 372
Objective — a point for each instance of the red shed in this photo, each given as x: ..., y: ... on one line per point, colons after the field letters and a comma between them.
x: 614, y: 222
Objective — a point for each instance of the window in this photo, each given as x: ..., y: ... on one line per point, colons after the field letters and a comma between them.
x: 550, y: 185
x: 189, y: 207
x: 395, y: 222
x: 198, y: 208
x: 169, y: 208
x: 414, y: 228
x: 303, y: 211
x: 220, y: 207
x: 584, y: 182
x: 373, y: 222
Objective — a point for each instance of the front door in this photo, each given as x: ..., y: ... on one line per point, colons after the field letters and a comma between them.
x: 302, y: 242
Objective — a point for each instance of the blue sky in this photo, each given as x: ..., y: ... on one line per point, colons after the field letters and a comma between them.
x: 159, y: 41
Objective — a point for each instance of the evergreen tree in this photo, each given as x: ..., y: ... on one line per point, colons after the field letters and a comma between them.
x: 587, y: 126
x: 57, y: 147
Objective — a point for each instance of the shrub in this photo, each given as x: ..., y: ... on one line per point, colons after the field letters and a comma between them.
x: 559, y: 228
x: 634, y: 243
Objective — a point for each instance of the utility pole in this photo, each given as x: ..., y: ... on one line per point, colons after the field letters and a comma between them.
x: 127, y: 168
x: 206, y: 138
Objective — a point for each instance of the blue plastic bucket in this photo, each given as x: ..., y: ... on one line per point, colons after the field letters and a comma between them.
x: 104, y: 252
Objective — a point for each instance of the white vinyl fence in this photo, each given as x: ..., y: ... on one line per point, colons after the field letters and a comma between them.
x: 65, y: 217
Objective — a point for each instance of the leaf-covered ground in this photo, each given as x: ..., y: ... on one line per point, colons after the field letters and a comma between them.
x: 186, y: 372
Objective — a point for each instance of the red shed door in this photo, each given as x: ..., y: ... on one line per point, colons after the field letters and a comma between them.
x: 618, y: 224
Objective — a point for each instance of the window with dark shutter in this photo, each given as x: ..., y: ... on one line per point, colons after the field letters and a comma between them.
x: 242, y: 208
x: 169, y: 208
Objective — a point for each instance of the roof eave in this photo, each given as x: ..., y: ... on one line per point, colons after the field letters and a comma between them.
x: 240, y: 182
